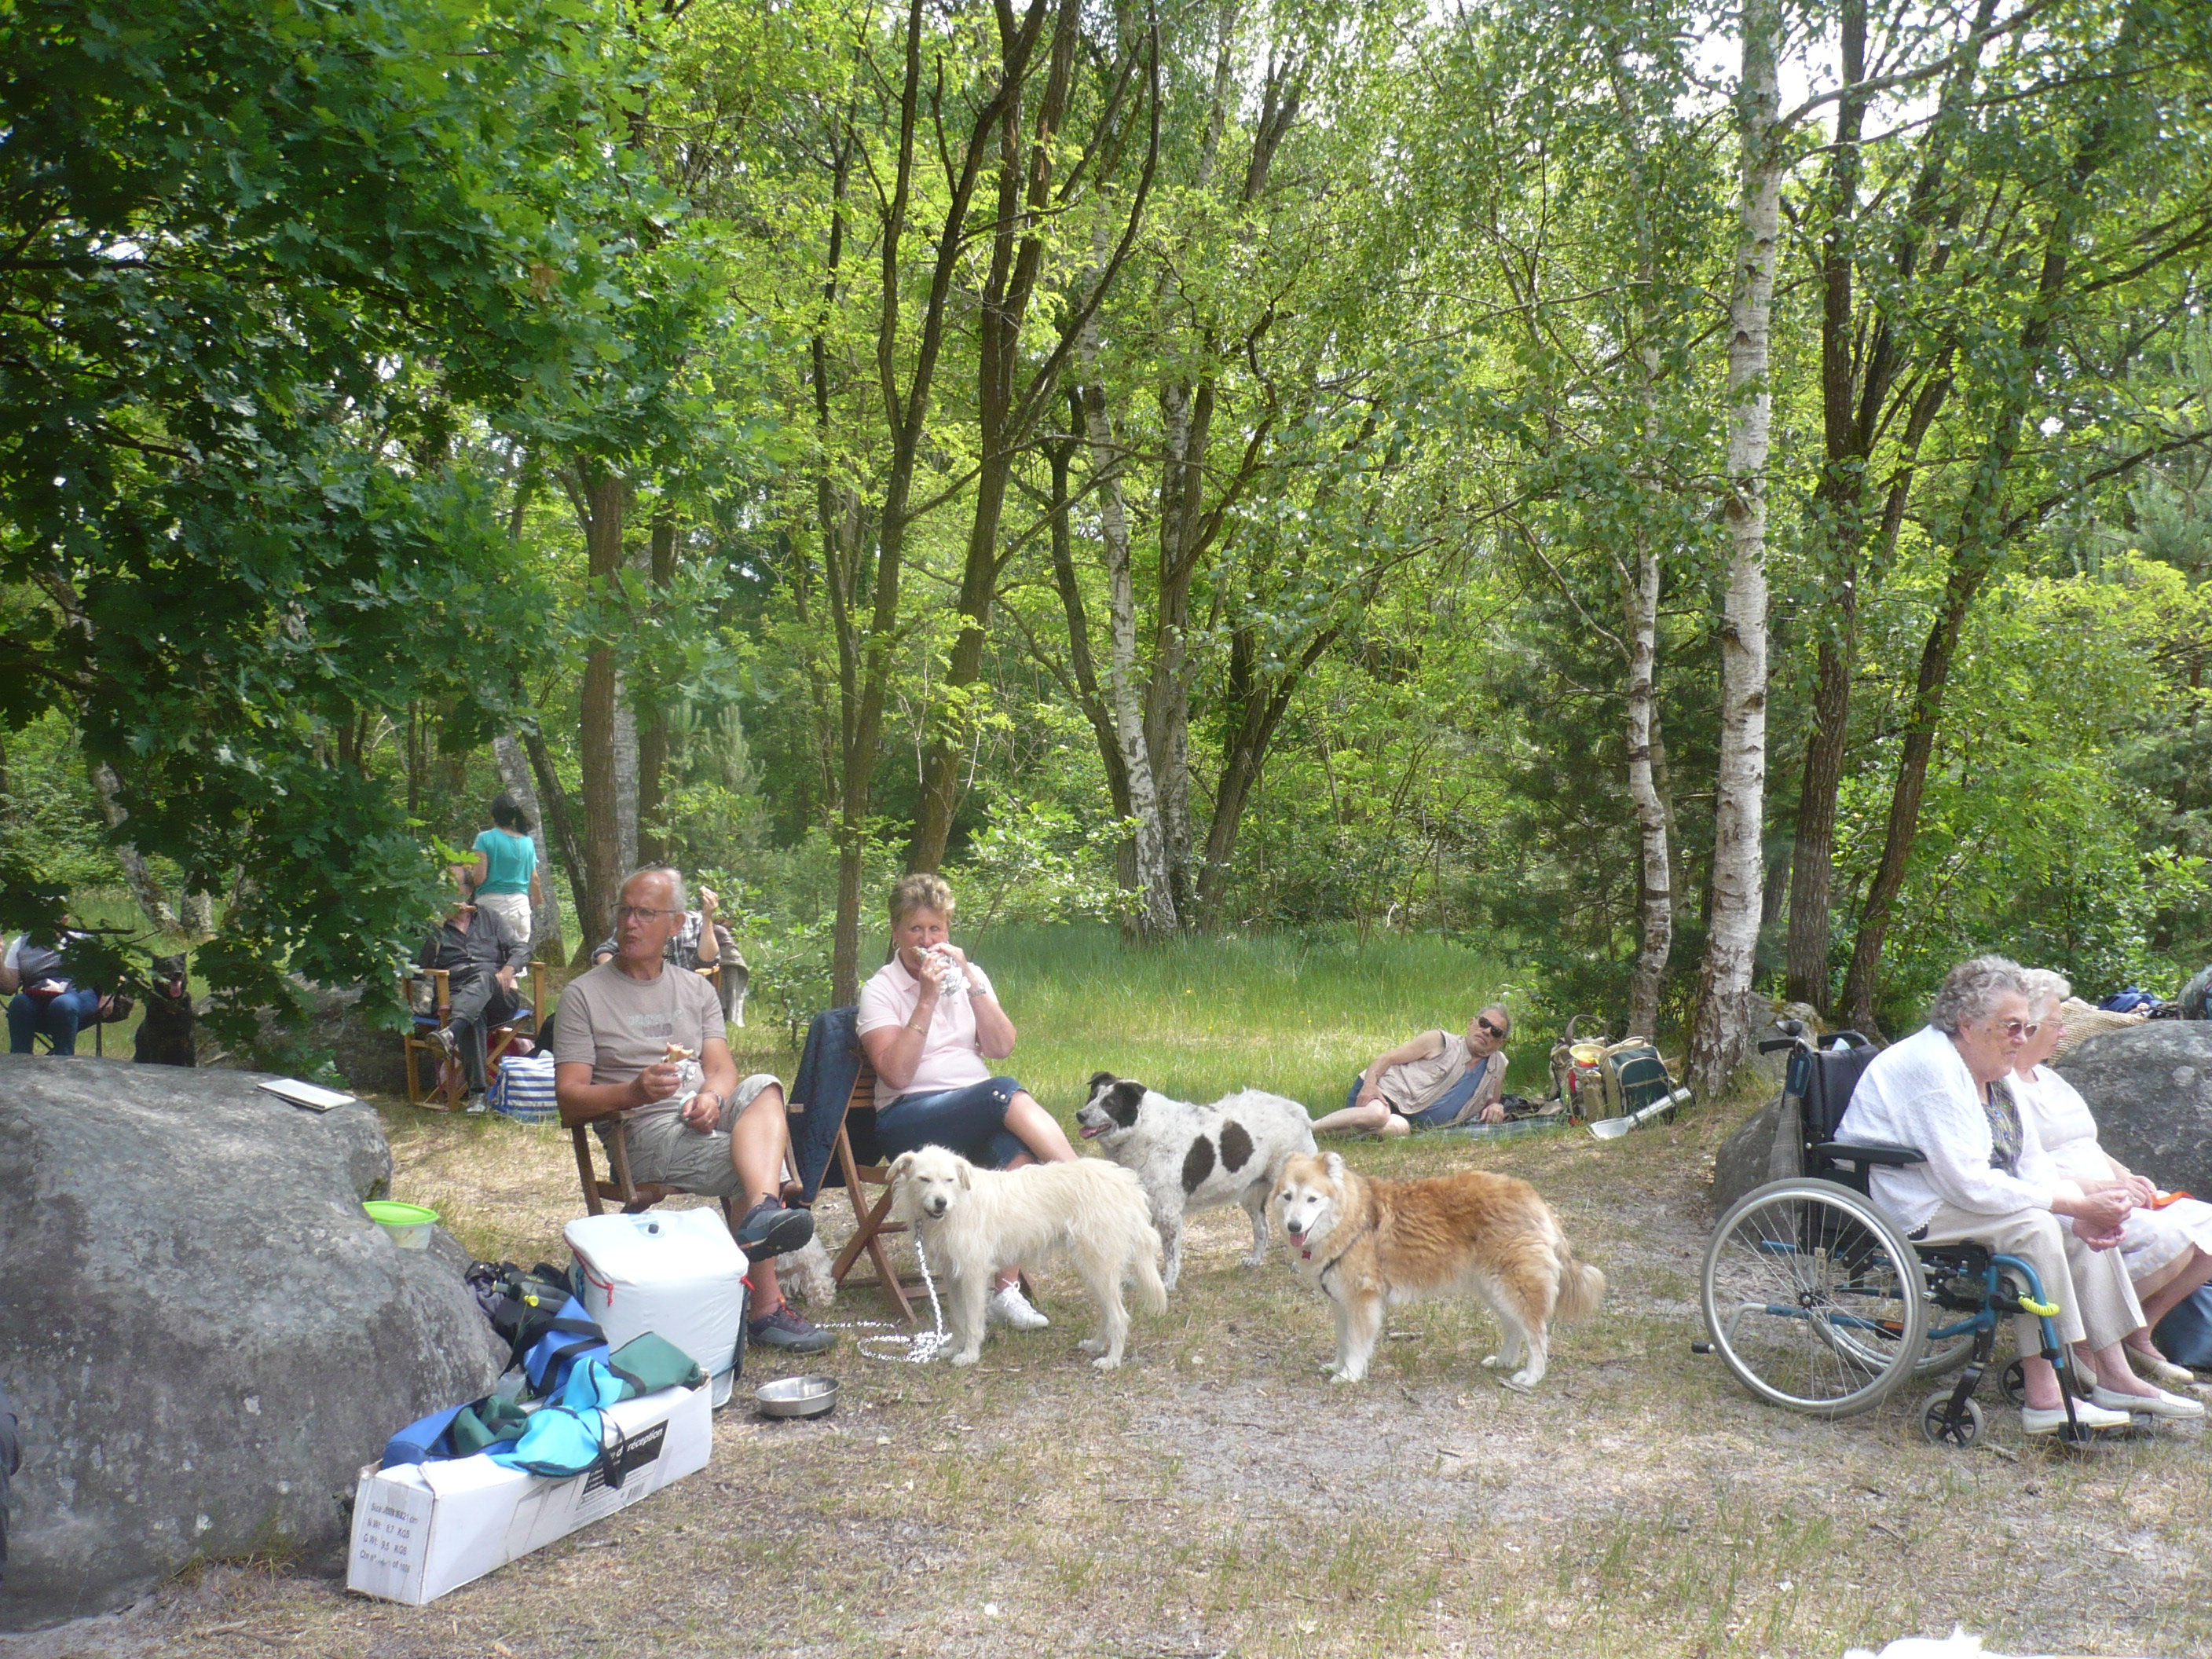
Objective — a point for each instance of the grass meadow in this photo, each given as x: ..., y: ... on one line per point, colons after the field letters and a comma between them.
x: 1217, y: 1496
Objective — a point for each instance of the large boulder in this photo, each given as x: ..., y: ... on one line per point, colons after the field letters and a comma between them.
x: 368, y: 1059
x: 2151, y: 1090
x: 1765, y: 1149
x: 204, y: 1335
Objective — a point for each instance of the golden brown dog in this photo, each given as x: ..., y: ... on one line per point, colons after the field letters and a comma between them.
x: 1373, y: 1244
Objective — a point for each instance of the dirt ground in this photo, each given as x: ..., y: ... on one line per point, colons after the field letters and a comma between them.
x: 1217, y: 1497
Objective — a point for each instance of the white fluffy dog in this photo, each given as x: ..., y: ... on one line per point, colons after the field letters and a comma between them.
x: 977, y: 1223
x: 1194, y: 1157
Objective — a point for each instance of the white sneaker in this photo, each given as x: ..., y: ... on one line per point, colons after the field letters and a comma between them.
x: 1009, y: 1307
x: 2088, y: 1414
x: 2157, y: 1403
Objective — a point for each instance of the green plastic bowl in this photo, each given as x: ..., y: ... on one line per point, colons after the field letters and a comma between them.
x: 409, y: 1224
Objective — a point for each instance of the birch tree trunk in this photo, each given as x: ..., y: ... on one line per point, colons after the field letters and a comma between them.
x: 143, y: 888
x: 625, y: 763
x: 603, y: 503
x: 1155, y: 918
x: 1655, y: 899
x: 653, y: 734
x: 1723, y: 1026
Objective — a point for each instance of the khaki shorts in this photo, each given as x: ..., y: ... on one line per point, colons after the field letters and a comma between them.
x: 667, y: 1151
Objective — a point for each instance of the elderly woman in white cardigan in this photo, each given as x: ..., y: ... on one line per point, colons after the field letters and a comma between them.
x: 1986, y: 1178
x: 2166, y: 1243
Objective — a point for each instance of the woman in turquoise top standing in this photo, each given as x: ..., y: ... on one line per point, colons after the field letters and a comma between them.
x: 507, y: 868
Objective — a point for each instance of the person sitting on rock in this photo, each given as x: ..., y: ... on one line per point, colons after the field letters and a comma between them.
x: 1437, y: 1080
x: 481, y: 960
x: 2166, y: 1243
x: 639, y: 1036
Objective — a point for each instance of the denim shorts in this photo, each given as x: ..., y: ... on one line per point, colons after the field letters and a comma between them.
x: 1432, y: 1117
x: 969, y: 1120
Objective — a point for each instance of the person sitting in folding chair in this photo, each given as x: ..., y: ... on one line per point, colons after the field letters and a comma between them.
x: 627, y: 1032
x: 929, y: 1018
x: 481, y: 959
x: 45, y: 1002
x: 701, y: 940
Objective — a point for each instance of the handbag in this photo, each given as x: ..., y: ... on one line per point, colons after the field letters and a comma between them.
x: 2185, y: 1336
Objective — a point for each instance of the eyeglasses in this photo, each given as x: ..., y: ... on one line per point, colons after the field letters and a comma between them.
x: 1483, y: 1024
x: 2022, y: 1028
x: 637, y: 913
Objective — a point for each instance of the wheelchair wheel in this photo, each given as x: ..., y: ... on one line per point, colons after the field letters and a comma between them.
x: 1814, y: 1298
x: 2012, y: 1383
x: 1939, y: 1427
x: 1942, y: 1358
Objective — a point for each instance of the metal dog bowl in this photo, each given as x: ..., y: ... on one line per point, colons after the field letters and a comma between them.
x: 797, y: 1396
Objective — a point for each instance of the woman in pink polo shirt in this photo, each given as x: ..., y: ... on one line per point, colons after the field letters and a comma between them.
x: 930, y: 1020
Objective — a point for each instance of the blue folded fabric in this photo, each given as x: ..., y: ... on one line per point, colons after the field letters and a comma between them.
x: 574, y: 1338
x: 567, y: 1436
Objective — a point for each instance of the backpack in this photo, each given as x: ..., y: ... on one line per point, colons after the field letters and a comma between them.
x: 1596, y: 1079
x: 522, y: 1307
x: 2185, y: 1336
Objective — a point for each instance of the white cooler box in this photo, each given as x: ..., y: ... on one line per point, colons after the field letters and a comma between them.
x: 676, y: 1272
x: 424, y: 1529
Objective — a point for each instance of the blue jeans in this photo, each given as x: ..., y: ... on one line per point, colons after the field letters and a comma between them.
x: 1431, y: 1117
x: 57, y: 1017
x: 971, y: 1121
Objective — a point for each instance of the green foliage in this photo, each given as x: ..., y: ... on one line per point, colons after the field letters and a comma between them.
x: 2033, y: 841
x: 266, y: 264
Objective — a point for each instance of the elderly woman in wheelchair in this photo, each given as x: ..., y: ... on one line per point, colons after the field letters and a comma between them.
x: 1928, y: 1212
x: 2166, y: 1243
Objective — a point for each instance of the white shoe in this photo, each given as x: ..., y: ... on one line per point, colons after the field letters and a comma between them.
x: 2088, y: 1414
x: 2159, y: 1369
x: 2157, y: 1403
x: 1009, y: 1307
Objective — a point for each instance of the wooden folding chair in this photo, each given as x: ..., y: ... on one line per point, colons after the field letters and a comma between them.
x: 634, y: 1197
x: 871, y: 1221
x: 418, y: 1040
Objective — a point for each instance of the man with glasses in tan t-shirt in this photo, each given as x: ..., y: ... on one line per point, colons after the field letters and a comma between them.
x: 624, y: 1031
x: 1437, y: 1081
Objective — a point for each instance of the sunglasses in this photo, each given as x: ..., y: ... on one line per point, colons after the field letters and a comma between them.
x: 2022, y: 1027
x: 1484, y: 1026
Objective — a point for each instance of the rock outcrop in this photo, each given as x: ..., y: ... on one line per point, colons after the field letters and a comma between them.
x: 2151, y: 1090
x: 204, y: 1335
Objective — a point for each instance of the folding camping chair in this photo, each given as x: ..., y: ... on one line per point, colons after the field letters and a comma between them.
x: 634, y: 1197
x: 434, y: 987
x: 871, y: 1221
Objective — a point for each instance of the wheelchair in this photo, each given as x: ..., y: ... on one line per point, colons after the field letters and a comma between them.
x: 1819, y: 1302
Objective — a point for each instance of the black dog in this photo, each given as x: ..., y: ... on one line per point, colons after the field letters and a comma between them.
x: 165, y: 1036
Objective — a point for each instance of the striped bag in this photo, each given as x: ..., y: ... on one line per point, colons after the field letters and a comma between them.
x: 524, y: 1089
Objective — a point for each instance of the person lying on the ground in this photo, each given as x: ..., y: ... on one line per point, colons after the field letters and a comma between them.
x: 929, y: 1019
x: 1437, y: 1080
x: 627, y: 1031
x: 701, y: 940
x: 2166, y: 1243
x: 481, y: 959
x: 1985, y: 1177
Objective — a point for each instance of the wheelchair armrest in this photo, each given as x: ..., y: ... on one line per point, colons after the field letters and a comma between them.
x: 1861, y: 1153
